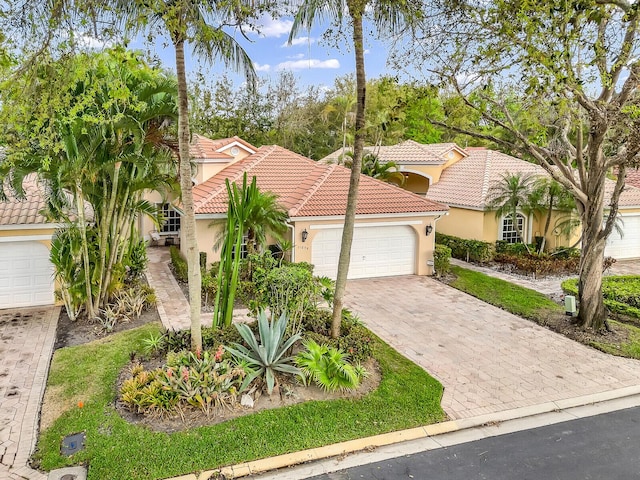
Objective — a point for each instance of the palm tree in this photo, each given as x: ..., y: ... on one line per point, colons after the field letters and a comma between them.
x: 198, y: 22
x: 264, y: 217
x: 110, y: 155
x: 510, y: 195
x: 388, y: 16
x: 548, y: 196
x: 371, y: 166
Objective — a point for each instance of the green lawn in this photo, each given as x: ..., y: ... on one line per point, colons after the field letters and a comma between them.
x: 518, y: 300
x: 535, y: 306
x: 407, y: 397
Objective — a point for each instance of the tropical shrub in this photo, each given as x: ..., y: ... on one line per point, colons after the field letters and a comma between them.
x: 540, y: 265
x: 65, y: 257
x: 621, y: 293
x: 468, y: 250
x: 204, y: 381
x: 514, y: 248
x: 266, y: 358
x: 441, y: 260
x: 179, y: 264
x: 355, y: 339
x: 328, y: 367
x: 135, y: 260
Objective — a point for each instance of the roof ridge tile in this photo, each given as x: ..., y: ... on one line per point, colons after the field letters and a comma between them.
x: 325, y: 171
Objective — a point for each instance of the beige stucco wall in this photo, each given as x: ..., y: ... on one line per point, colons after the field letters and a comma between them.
x: 464, y: 223
x: 484, y: 226
x: 206, y: 170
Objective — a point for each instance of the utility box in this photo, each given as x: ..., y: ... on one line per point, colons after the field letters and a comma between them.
x: 570, y: 305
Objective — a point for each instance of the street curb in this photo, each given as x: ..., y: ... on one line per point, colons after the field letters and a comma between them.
x: 367, y: 443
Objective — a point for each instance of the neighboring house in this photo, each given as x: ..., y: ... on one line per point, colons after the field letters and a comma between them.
x: 633, y: 177
x: 394, y: 233
x: 461, y: 179
x: 26, y: 274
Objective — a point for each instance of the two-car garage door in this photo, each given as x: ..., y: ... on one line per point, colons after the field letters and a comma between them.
x: 377, y: 251
x: 26, y: 275
x: 628, y: 244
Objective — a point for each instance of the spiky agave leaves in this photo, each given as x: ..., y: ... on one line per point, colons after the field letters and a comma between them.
x: 267, y: 357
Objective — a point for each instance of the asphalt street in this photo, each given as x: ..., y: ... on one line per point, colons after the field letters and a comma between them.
x: 603, y: 447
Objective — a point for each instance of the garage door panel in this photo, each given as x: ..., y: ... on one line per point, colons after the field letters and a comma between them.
x: 628, y: 244
x: 26, y: 275
x: 376, y: 251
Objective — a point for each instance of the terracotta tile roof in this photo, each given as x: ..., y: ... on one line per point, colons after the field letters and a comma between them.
x: 467, y: 182
x: 633, y: 177
x: 205, y: 148
x: 307, y: 188
x: 27, y: 211
x: 408, y: 152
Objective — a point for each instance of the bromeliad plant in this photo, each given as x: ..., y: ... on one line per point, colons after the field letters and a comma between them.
x: 329, y: 368
x: 205, y: 381
x: 266, y: 358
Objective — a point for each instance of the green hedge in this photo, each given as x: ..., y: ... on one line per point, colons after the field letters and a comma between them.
x: 621, y: 293
x: 441, y: 260
x: 179, y: 264
x: 468, y: 250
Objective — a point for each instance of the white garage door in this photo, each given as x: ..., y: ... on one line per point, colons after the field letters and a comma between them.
x: 627, y: 245
x: 376, y: 252
x: 26, y: 275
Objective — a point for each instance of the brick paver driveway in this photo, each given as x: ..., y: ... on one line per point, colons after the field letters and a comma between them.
x: 487, y: 359
x: 27, y: 336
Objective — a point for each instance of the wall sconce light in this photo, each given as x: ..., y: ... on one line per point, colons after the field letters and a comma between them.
x: 304, y: 235
x: 428, y: 230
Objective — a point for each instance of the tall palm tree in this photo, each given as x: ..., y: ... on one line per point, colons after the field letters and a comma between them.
x: 510, y: 195
x: 198, y: 22
x: 388, y: 16
x: 548, y: 196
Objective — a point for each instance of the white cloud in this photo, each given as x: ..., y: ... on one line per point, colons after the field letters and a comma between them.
x: 92, y: 43
x: 308, y: 64
x: 297, y: 56
x: 272, y: 27
x: 367, y: 51
x: 261, y: 68
x: 299, y: 41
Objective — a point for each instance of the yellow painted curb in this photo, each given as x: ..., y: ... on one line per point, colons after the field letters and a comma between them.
x: 352, y: 446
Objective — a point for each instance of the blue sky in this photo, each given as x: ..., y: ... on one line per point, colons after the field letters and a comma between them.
x: 312, y: 60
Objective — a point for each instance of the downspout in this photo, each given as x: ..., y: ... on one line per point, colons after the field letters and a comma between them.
x: 293, y: 240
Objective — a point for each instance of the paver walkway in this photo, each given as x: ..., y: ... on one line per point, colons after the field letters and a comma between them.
x: 27, y: 337
x: 172, y: 305
x: 487, y: 359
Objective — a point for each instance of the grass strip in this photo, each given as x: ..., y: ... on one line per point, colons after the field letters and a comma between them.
x: 407, y: 397
x: 515, y: 299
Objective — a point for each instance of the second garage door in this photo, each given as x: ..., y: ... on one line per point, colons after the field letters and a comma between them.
x: 627, y: 245
x: 379, y: 251
x: 26, y: 275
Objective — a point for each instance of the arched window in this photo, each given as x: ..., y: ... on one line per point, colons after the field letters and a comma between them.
x: 508, y: 232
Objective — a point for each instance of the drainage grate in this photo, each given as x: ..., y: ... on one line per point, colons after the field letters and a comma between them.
x: 73, y: 443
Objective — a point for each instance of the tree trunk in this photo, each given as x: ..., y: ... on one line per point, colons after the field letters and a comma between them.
x: 356, y: 168
x: 188, y: 223
x: 592, y: 312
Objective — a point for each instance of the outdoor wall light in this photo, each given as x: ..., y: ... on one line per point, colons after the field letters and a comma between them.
x: 304, y: 235
x: 428, y: 230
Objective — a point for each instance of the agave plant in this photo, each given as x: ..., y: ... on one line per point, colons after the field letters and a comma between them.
x: 266, y: 358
